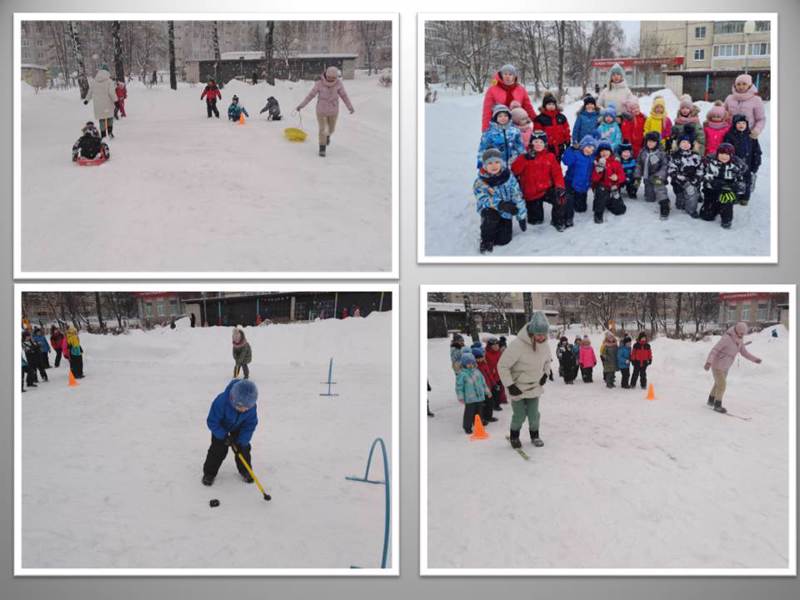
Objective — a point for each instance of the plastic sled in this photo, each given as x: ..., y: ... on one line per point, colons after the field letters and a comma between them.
x: 294, y: 134
x: 91, y: 162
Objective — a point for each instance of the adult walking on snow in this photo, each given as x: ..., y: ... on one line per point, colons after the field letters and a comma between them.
x: 506, y: 91
x: 744, y: 100
x: 103, y: 94
x: 616, y: 91
x: 721, y: 358
x: 524, y: 368
x: 328, y: 89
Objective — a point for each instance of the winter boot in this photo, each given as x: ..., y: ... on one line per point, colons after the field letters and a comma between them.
x: 710, y: 401
x: 570, y: 223
x: 321, y: 150
x: 535, y: 439
x: 514, y: 439
x: 598, y: 218
x: 486, y: 246
x: 207, y: 480
x: 726, y: 225
x: 718, y: 407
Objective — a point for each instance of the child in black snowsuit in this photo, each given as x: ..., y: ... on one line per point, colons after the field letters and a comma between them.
x: 748, y: 150
x: 272, y: 108
x: 33, y: 354
x: 628, y: 162
x: 724, y: 180
x: 651, y: 168
x: 685, y: 170
x: 567, y: 361
x: 90, y: 144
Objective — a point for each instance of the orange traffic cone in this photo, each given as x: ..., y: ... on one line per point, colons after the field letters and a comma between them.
x: 72, y: 381
x: 651, y: 392
x: 241, y: 118
x: 478, y: 432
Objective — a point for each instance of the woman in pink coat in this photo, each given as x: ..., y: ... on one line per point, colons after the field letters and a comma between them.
x: 328, y: 90
x: 586, y: 359
x: 744, y: 100
x: 721, y: 358
x: 505, y: 91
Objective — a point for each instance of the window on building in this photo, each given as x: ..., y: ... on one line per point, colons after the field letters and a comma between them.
x: 759, y: 49
x: 700, y: 54
x: 160, y: 308
x: 148, y: 309
x: 763, y: 312
x: 700, y: 32
x: 732, y: 313
x: 173, y: 306
x: 548, y: 302
x: 729, y: 27
x: 763, y: 25
x: 745, y: 312
x: 729, y: 50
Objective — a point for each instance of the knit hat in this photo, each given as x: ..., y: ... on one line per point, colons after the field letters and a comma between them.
x: 500, y: 108
x: 744, y: 78
x: 457, y: 337
x: 235, y: 98
x: 688, y: 134
x: 604, y: 145
x: 652, y: 136
x: 538, y: 325
x: 641, y: 335
x: 518, y: 115
x: 563, y: 339
x: 332, y: 72
x: 587, y: 140
x: 625, y: 145
x: 492, y: 155
x: 502, y: 341
x: 741, y: 328
x: 476, y: 345
x: 549, y: 99
x: 659, y: 101
x: 515, y: 104
x: 244, y: 394
x: 508, y: 68
x: 609, y: 111
x: 726, y: 148
x: 467, y: 359
x: 686, y: 102
x: 616, y: 69
x: 492, y: 341
x: 717, y: 111
x: 104, y: 67
x: 477, y: 352
x: 737, y: 118
x: 626, y: 340
x: 538, y: 134
x: 589, y: 99
x: 630, y: 104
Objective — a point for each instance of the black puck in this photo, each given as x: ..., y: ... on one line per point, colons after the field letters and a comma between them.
x: 213, y: 503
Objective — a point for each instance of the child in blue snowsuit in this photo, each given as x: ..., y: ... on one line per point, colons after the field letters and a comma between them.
x: 585, y: 121
x: 624, y: 361
x: 580, y: 163
x: 232, y: 420
x: 502, y: 135
x: 471, y: 390
x: 629, y: 166
x: 40, y: 339
x: 235, y: 110
x: 499, y: 200
x: 609, y: 130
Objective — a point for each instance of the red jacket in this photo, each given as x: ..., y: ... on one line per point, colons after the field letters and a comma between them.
x: 641, y: 354
x: 490, y: 374
x: 122, y: 92
x: 538, y: 173
x: 633, y: 131
x: 500, y: 93
x: 603, y: 178
x: 211, y: 94
x: 556, y: 126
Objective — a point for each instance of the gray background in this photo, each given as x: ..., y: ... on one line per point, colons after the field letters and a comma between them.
x: 410, y: 584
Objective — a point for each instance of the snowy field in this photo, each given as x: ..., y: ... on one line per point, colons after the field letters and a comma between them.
x: 186, y: 193
x: 111, y: 470
x: 452, y: 225
x: 621, y: 482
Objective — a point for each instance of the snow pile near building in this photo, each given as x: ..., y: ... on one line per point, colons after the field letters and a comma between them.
x: 111, y: 470
x: 621, y: 482
x: 186, y: 193
x: 452, y: 225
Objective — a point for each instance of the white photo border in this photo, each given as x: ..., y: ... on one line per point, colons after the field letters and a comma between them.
x: 393, y: 273
x: 425, y: 570
x: 394, y: 533
x: 423, y: 258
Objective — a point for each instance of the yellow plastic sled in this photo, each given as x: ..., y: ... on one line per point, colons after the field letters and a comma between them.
x: 296, y: 134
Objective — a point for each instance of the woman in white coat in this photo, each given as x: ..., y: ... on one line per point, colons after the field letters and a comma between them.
x: 102, y: 92
x: 617, y: 91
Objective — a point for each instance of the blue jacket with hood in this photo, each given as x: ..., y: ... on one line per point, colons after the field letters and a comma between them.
x: 223, y: 418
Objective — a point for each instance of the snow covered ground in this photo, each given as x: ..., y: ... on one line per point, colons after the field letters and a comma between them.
x: 186, y: 193
x: 452, y: 226
x: 111, y: 470
x: 621, y: 482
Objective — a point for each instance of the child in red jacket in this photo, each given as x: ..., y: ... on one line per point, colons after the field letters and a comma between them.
x: 632, y: 125
x: 211, y: 94
x: 607, y: 180
x: 492, y: 378
x: 553, y: 122
x: 119, y: 105
x: 541, y: 180
x: 641, y: 357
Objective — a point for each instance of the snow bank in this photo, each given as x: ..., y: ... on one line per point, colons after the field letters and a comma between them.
x: 125, y: 451
x: 452, y: 226
x: 621, y: 482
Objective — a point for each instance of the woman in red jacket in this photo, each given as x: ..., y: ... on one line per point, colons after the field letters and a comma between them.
x: 553, y: 122
x: 541, y: 180
x: 506, y: 91
x: 607, y: 180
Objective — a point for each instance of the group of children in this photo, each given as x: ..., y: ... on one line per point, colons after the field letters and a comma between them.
x: 614, y: 357
x: 36, y: 353
x: 612, y: 154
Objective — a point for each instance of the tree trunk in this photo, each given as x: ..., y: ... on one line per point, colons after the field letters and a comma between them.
x: 173, y: 76
x: 99, y: 311
x: 217, y: 53
x: 58, y: 42
x: 268, y: 51
x: 119, y: 66
x: 527, y: 303
x: 561, y: 38
x: 678, y: 307
x: 83, y: 82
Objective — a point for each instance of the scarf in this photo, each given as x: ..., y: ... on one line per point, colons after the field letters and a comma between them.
x: 743, y: 96
x: 716, y: 124
x: 681, y: 120
x: 508, y: 89
x: 495, y: 180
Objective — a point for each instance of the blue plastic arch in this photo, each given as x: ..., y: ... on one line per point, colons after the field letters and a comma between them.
x: 385, y: 483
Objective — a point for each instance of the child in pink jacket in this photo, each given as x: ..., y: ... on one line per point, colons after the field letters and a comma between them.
x: 721, y: 358
x: 715, y: 127
x: 586, y: 359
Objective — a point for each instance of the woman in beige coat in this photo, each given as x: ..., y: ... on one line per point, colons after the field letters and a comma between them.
x: 103, y: 94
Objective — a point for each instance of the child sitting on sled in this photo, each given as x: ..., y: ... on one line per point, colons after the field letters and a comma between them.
x: 90, y: 145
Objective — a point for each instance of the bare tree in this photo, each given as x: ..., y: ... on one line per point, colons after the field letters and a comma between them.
x: 437, y: 297
x: 561, y: 47
x: 119, y: 66
x: 467, y: 47
x: 587, y: 41
x: 269, y: 33
x: 370, y: 34
x: 173, y: 76
x: 217, y: 53
x: 83, y: 82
